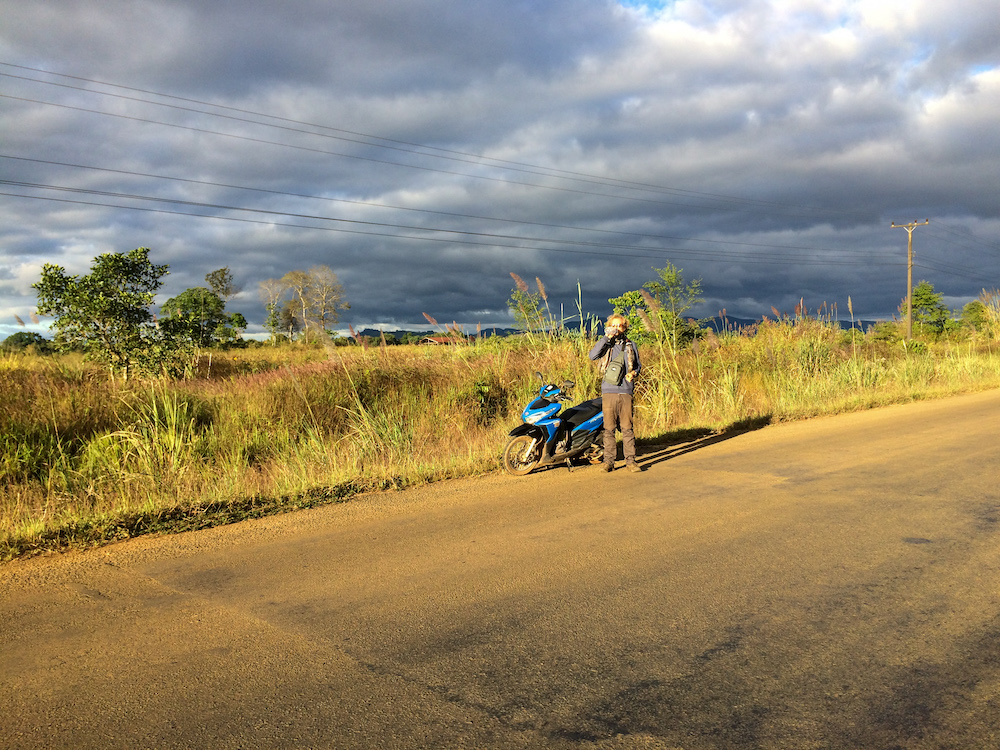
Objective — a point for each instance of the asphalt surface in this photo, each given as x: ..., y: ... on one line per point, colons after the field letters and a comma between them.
x: 822, y: 584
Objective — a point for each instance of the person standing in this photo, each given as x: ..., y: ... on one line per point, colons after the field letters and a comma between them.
x: 619, y: 365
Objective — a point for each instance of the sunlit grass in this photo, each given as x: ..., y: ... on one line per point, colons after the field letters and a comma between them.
x: 87, y: 460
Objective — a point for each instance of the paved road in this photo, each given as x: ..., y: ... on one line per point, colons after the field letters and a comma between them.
x: 825, y: 584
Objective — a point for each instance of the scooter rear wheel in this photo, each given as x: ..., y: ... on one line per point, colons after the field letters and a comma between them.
x: 521, y: 455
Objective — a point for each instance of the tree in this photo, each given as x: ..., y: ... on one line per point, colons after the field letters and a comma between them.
x: 324, y: 297
x: 21, y: 340
x: 297, y: 283
x: 929, y: 310
x: 414, y: 337
x: 316, y: 298
x: 221, y: 284
x: 287, y: 320
x: 975, y: 315
x: 983, y: 313
x: 675, y: 298
x: 657, y: 311
x: 197, y: 317
x: 628, y: 305
x: 106, y: 312
x: 270, y: 292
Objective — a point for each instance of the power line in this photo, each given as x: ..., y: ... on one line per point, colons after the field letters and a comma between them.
x: 478, y: 159
x: 264, y: 141
x: 344, y: 231
x: 467, y: 157
x: 728, y: 258
x: 965, y: 235
x: 952, y: 270
x: 704, y: 255
x: 412, y: 148
x: 608, y: 182
x: 432, y: 212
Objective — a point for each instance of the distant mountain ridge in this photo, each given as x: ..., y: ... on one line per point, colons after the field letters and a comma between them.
x: 717, y: 324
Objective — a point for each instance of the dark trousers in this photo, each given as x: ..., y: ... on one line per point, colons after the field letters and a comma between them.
x: 618, y: 415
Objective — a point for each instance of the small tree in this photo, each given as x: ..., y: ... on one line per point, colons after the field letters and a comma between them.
x: 221, y: 284
x: 197, y: 316
x: 288, y: 321
x: 628, y: 305
x: 106, y: 312
x: 929, y: 311
x: 656, y: 312
x: 271, y: 292
x: 974, y: 315
x: 675, y: 298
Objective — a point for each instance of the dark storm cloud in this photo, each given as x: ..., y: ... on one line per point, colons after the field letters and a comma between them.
x: 346, y: 47
x: 763, y: 147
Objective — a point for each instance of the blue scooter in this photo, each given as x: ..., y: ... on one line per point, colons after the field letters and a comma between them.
x: 549, y: 436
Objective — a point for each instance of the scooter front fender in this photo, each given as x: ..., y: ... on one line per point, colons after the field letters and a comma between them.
x: 534, y: 430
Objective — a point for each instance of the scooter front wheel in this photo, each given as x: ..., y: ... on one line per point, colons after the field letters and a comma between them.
x: 521, y: 455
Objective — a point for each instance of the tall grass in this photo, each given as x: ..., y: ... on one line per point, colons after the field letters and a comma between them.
x: 790, y: 369
x: 84, y: 460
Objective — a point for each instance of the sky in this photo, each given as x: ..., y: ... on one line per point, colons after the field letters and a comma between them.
x: 425, y: 150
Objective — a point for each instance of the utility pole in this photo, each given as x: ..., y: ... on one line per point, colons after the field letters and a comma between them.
x: 909, y: 271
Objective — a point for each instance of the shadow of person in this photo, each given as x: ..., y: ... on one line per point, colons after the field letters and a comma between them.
x: 656, y: 450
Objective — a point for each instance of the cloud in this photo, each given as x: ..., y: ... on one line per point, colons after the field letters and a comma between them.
x: 424, y: 149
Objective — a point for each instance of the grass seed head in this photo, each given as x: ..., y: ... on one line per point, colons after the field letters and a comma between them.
x: 651, y: 301
x: 644, y: 317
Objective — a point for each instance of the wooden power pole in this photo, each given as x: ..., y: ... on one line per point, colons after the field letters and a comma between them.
x: 909, y: 271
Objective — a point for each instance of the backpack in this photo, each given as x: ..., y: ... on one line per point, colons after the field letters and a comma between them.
x: 616, y: 370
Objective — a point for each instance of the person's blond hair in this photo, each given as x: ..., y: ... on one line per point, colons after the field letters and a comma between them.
x: 620, y: 320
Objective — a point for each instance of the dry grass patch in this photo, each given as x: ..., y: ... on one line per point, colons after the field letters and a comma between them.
x: 85, y: 460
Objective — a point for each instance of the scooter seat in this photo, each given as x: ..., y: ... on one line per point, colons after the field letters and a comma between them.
x: 580, y: 413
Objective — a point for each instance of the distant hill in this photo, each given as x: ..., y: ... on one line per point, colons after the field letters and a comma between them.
x: 734, y: 324
x: 716, y: 324
x: 398, y: 335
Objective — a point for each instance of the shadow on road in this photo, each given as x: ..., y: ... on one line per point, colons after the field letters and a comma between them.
x: 654, y: 450
x: 663, y: 448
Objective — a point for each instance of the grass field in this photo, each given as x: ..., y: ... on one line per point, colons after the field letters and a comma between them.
x: 85, y: 460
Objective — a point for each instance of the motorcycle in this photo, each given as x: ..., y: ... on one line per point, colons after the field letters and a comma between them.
x: 550, y: 436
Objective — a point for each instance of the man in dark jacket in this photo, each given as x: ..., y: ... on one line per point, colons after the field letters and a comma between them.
x: 619, y: 360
